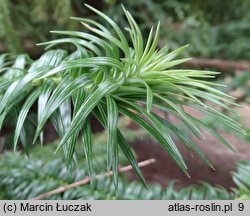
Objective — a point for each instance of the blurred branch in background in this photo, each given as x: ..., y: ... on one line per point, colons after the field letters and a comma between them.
x: 219, y: 64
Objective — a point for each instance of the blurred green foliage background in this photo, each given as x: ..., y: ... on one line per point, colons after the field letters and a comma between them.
x: 215, y: 28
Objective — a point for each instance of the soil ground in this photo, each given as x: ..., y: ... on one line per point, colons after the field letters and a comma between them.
x: 224, y: 161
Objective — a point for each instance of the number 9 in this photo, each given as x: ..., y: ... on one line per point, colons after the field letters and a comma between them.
x: 241, y: 206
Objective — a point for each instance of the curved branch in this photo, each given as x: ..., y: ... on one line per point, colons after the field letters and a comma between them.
x: 86, y: 180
